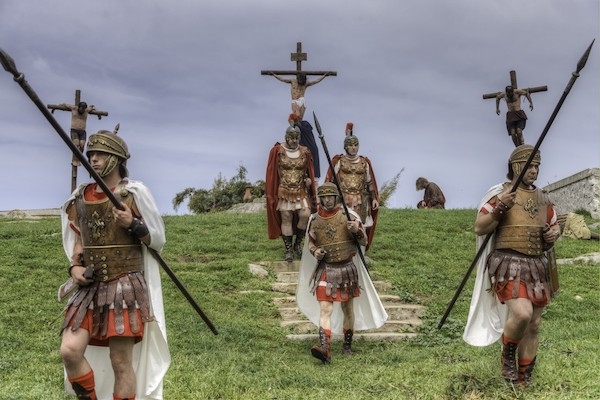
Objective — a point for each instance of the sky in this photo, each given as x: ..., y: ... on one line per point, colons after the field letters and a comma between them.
x: 182, y: 79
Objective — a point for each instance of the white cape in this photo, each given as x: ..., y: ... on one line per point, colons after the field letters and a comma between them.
x: 487, y: 315
x: 151, y: 357
x: 369, y: 312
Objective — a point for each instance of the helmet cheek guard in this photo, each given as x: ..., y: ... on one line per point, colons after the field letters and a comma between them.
x: 111, y: 144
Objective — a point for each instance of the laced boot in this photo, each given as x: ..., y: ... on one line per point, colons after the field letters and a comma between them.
x: 525, y: 371
x: 347, y: 346
x: 289, y: 252
x: 81, y: 393
x: 509, y: 360
x: 83, y: 386
x: 322, y: 352
x: 300, y: 233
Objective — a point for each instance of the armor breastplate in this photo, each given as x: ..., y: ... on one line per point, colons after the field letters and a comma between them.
x: 109, y: 249
x: 352, y: 175
x: 291, y: 170
x: 332, y: 235
x: 521, y: 230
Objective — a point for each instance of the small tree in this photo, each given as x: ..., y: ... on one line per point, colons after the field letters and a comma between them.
x: 388, y: 188
x: 222, y: 196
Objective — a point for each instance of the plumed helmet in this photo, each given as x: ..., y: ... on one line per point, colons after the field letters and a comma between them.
x: 350, y: 139
x: 108, y: 142
x: 327, y: 189
x: 292, y: 129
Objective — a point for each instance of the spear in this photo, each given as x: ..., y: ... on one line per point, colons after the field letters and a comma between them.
x: 516, y: 184
x: 9, y: 65
x: 337, y: 184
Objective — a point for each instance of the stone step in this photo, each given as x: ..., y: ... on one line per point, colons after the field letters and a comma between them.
x: 395, y: 312
x: 386, y: 300
x: 291, y: 276
x: 404, y: 311
x: 288, y: 301
x: 290, y: 287
x: 305, y: 326
x: 287, y: 277
x: 284, y: 266
x: 379, y: 336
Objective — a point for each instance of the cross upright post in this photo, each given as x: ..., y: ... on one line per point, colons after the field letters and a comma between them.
x: 79, y: 112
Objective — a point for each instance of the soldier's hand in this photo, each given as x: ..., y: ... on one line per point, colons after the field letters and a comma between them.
x: 507, y: 198
x: 375, y: 205
x: 124, y: 217
x: 550, y: 234
x: 319, y: 253
x: 77, y: 273
x: 352, y: 226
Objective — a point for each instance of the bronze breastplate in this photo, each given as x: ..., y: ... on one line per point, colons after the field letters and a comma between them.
x: 522, y: 228
x: 108, y: 248
x: 332, y: 235
x: 352, y: 175
x: 291, y: 171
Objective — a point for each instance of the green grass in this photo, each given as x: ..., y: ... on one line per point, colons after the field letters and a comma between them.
x: 423, y: 253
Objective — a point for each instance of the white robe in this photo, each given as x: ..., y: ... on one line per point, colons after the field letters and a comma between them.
x: 151, y: 357
x: 487, y: 315
x: 369, y: 312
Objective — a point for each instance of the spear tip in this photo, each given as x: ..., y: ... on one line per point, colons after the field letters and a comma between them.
x: 317, y: 125
x: 8, y: 63
x: 585, y: 56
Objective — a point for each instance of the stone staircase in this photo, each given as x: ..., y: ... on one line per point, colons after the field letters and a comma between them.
x: 401, y: 324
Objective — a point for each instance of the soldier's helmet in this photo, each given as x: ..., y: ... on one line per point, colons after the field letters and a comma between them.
x: 350, y: 138
x: 292, y: 131
x: 520, y: 155
x: 116, y: 148
x: 327, y: 189
x: 108, y: 142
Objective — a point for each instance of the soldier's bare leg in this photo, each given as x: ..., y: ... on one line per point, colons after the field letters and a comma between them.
x: 121, y: 358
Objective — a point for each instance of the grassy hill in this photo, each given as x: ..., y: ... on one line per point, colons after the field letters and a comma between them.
x: 423, y: 253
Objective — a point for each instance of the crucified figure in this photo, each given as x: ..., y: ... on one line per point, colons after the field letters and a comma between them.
x: 298, y: 88
x: 515, y: 116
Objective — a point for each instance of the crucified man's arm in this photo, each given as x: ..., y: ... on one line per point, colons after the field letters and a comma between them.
x: 280, y: 78
x: 317, y: 80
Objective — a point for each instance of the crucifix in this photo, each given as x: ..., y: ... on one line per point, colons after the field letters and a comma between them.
x: 79, y: 112
x: 515, y: 116
x: 300, y: 83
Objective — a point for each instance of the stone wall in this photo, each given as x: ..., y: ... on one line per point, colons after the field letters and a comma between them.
x: 579, y: 191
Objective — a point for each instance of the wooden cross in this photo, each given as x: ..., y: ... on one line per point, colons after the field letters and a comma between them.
x: 82, y: 123
x: 299, y: 85
x: 513, y: 83
x: 298, y: 57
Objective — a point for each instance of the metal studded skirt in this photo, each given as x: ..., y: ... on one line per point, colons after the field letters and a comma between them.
x: 506, y: 266
x: 336, y: 282
x: 127, y: 292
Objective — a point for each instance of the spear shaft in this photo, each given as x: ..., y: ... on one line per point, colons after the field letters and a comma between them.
x: 9, y: 65
x: 574, y: 76
x: 337, y: 184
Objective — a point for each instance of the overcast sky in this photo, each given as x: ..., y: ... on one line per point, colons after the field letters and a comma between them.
x: 182, y: 78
